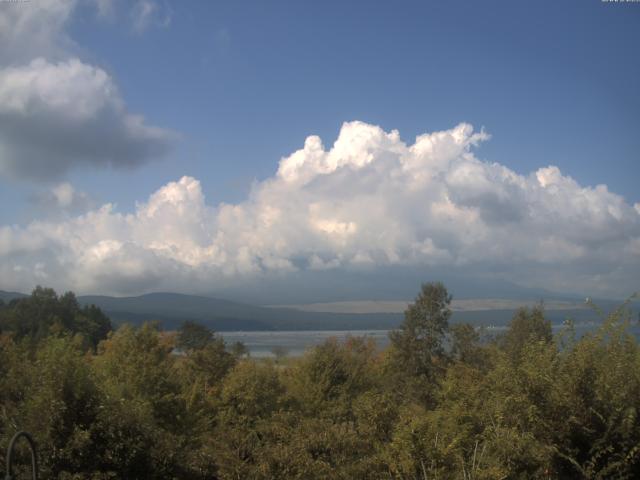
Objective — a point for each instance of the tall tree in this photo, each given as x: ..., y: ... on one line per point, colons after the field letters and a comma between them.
x: 193, y: 336
x: 45, y: 313
x: 417, y: 347
x: 526, y: 327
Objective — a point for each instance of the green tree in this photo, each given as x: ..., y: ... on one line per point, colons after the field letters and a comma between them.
x: 526, y: 327
x: 193, y: 336
x: 331, y: 375
x: 417, y: 349
x: 251, y: 394
x: 466, y: 346
x: 597, y: 389
x: 145, y: 424
x: 44, y: 313
x: 55, y: 398
x: 205, y: 367
x: 239, y: 349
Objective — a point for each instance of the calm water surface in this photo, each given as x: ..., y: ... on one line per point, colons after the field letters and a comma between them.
x: 261, y: 344
x: 294, y: 343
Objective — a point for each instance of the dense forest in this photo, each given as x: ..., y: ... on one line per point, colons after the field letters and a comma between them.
x: 442, y: 402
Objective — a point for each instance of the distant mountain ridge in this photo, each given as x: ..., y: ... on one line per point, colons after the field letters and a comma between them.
x: 171, y: 309
x: 8, y: 296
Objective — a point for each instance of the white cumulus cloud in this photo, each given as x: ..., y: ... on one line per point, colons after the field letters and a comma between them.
x: 56, y: 111
x: 369, y: 201
x: 56, y: 116
x: 62, y: 201
x: 33, y: 29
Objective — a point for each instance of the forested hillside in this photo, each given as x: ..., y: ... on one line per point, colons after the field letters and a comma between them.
x: 443, y: 401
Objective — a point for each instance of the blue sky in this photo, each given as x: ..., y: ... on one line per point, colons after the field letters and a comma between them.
x: 245, y: 82
x: 240, y: 85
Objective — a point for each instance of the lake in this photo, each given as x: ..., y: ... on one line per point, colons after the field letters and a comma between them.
x: 262, y: 343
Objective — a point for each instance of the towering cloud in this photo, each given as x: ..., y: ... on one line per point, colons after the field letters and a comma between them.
x: 369, y: 201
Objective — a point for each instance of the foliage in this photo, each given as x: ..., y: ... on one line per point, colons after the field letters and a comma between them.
x: 417, y: 355
x: 193, y: 336
x: 527, y: 327
x: 44, y: 313
x: 438, y: 403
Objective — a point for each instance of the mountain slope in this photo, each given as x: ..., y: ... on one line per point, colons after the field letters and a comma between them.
x: 8, y: 296
x: 171, y: 309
